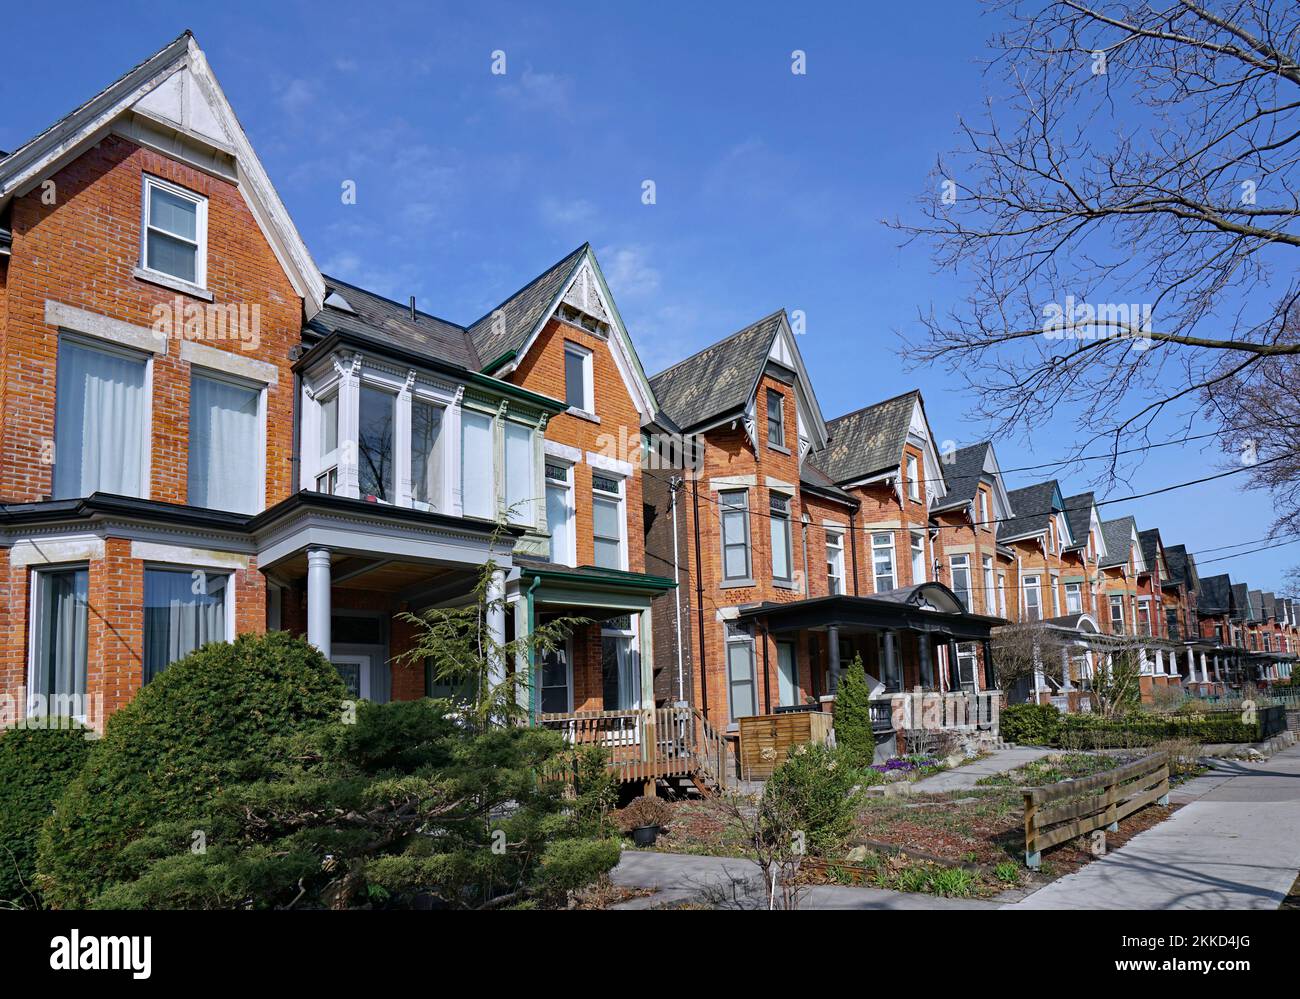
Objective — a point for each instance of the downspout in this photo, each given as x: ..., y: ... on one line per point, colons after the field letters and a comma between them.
x: 532, y: 650
x: 699, y: 602
x: 674, y: 484
x: 767, y: 674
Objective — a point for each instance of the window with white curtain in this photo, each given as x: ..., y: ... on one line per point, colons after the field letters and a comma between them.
x: 779, y: 518
x: 961, y: 579
x: 734, y: 509
x: 913, y: 479
x: 560, y: 512
x: 476, y: 464
x: 175, y: 231
x: 1033, y: 602
x: 225, y: 442
x: 620, y: 665
x: 426, y: 455
x: 1074, y: 598
x: 834, y: 562
x: 327, y: 479
x: 58, y: 669
x: 918, y: 557
x: 882, y: 559
x: 99, y: 421
x: 742, y: 692
x: 607, y: 520
x: 521, y: 497
x: 376, y: 456
x: 184, y: 609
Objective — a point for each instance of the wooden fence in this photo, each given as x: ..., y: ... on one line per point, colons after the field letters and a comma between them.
x: 1074, y: 808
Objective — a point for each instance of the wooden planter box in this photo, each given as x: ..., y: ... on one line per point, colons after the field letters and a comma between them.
x: 766, y: 739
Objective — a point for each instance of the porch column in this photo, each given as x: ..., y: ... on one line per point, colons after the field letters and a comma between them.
x: 990, y: 678
x: 318, y: 599
x: 926, y: 662
x: 1065, y: 670
x: 833, y: 656
x: 496, y: 624
x: 524, y: 692
x: 892, y: 675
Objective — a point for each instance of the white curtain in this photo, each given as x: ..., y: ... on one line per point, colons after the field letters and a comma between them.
x: 98, y: 423
x: 183, y: 610
x: 519, y: 473
x: 476, y: 464
x: 61, y: 660
x: 559, y: 518
x: 224, y: 446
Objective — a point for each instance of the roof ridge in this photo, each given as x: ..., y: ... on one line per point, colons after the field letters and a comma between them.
x: 529, y: 283
x: 873, y: 405
x: 717, y: 343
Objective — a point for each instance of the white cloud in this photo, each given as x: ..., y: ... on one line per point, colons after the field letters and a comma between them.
x: 567, y: 213
x: 297, y: 96
x: 540, y: 92
x: 628, y: 271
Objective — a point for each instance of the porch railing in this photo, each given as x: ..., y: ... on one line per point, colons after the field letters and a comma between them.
x: 647, y: 744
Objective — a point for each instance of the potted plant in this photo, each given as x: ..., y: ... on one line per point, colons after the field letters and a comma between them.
x: 643, y: 819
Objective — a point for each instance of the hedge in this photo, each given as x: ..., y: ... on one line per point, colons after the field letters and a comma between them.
x: 1029, y: 724
x: 36, y: 765
x: 201, y: 726
x: 1095, y: 732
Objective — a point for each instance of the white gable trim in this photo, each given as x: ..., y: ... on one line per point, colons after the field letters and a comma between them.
x: 205, y: 114
x: 918, y: 434
x: 784, y: 350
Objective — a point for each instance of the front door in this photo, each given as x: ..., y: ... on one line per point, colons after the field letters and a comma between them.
x: 787, y: 674
x: 355, y: 671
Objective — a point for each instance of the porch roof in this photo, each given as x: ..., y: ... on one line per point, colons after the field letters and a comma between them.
x: 589, y: 584
x: 877, y: 612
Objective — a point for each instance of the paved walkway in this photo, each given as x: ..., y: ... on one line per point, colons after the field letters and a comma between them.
x: 731, y: 883
x: 1233, y: 845
x: 997, y: 762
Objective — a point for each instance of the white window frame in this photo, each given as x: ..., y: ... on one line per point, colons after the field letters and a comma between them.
x: 775, y: 518
x: 567, y: 646
x: 213, y: 374
x: 1117, y: 600
x: 962, y: 562
x: 200, y: 231
x: 919, y: 561
x: 780, y: 420
x: 527, y: 516
x: 622, y: 512
x: 572, y: 349
x: 834, y: 561
x: 1032, y: 584
x: 35, y: 600
x: 327, y: 463
x: 913, y: 474
x: 877, y: 546
x: 1002, y: 594
x: 405, y: 491
x: 990, y: 584
x: 1077, y: 591
x: 571, y: 555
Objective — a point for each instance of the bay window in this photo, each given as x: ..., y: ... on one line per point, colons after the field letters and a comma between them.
x: 225, y: 467
x: 779, y: 518
x: 734, y: 506
x: 375, y: 455
x: 476, y: 472
x: 607, y: 520
x: 327, y: 479
x: 99, y: 421
x: 882, y: 560
x: 521, y: 497
x: 560, y: 513
x: 183, y: 610
x: 426, y: 455
x: 57, y: 677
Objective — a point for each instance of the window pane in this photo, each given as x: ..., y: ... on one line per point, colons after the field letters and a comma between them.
x: 740, y: 675
x: 737, y: 562
x: 171, y: 256
x: 176, y: 215
x: 224, y: 444
x: 575, y: 379
x: 426, y: 454
x: 555, y: 681
x: 609, y: 554
x: 476, y: 464
x: 780, y: 547
x: 621, y: 680
x: 559, y: 518
x: 98, y: 423
x: 183, y: 610
x: 375, y: 444
x: 519, y: 473
x: 59, y: 667
x: 329, y: 425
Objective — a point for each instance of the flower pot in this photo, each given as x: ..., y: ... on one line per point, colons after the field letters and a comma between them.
x: 645, y: 835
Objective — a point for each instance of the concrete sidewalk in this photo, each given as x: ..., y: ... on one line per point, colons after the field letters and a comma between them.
x: 999, y: 761
x: 1234, y: 845
x: 732, y: 883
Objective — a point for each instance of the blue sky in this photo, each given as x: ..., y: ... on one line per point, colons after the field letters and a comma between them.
x: 770, y: 187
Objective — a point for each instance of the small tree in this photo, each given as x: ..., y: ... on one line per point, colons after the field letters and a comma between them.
x: 1116, y: 679
x: 1026, y: 650
x: 853, y: 713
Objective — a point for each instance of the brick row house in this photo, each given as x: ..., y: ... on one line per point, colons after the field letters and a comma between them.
x: 206, y: 436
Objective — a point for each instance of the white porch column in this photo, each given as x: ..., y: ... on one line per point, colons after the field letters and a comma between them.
x: 496, y: 623
x: 1160, y: 662
x: 524, y: 691
x: 318, y: 599
x: 1065, y: 670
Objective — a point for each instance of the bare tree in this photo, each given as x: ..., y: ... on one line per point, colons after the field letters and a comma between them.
x: 1124, y: 214
x: 1025, y: 650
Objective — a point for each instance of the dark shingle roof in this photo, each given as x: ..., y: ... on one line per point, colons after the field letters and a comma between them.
x: 1118, y: 535
x: 811, y: 475
x: 1179, y: 569
x: 962, y: 475
x: 1215, y: 597
x: 718, y: 379
x: 1150, y: 549
x: 869, y: 440
x: 1256, y: 605
x: 1240, y: 602
x: 1034, y: 506
x: 1078, y: 514
x: 522, y: 311
x: 378, y: 317
x: 1270, y: 605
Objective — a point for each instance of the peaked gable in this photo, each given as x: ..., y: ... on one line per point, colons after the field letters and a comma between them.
x: 964, y: 470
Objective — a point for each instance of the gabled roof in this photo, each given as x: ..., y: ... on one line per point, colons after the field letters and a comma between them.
x: 1215, y: 597
x: 1256, y: 598
x: 1118, y: 535
x: 1240, y: 602
x: 172, y: 98
x: 868, y: 441
x: 1034, y: 506
x: 814, y: 478
x: 1270, y: 605
x: 351, y: 309
x: 1151, y: 546
x: 719, y: 379
x: 505, y: 330
x: 1078, y: 514
x: 962, y: 472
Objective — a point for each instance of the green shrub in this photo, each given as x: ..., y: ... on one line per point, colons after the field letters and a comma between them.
x: 1139, y: 728
x: 853, y: 713
x: 36, y: 765
x: 201, y: 726
x: 817, y: 791
x: 1030, y: 724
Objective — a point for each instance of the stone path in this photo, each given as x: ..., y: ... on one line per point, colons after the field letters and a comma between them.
x: 999, y: 761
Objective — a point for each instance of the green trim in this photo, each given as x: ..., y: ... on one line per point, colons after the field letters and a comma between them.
x: 616, y: 578
x: 507, y: 356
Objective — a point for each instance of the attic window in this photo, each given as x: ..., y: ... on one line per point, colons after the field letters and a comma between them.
x: 175, y: 232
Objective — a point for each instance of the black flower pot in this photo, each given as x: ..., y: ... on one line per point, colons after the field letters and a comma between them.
x: 645, y: 835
